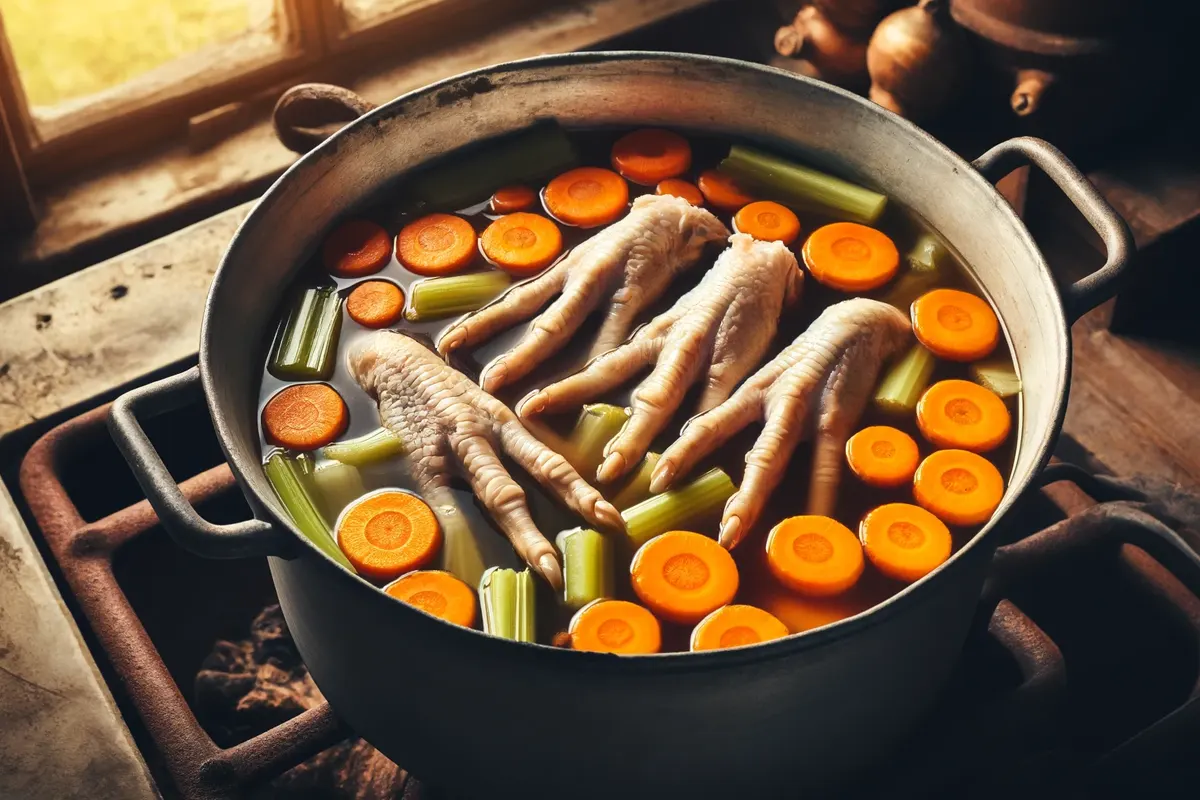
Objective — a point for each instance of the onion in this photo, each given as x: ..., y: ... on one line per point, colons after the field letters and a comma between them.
x: 837, y: 58
x: 855, y: 16
x: 917, y: 60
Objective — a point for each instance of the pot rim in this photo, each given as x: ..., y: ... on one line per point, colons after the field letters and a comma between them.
x: 792, y: 644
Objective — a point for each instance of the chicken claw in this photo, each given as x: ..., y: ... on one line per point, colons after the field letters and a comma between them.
x: 827, y: 372
x: 446, y: 422
x: 628, y: 264
x: 720, y: 329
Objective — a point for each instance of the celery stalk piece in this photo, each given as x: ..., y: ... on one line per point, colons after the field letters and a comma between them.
x: 637, y: 487
x: 927, y: 254
x: 289, y: 479
x: 905, y: 381
x: 507, y: 600
x: 307, y: 340
x: 335, y: 486
x: 598, y: 423
x: 378, y: 445
x: 804, y: 187
x: 679, y: 508
x: 438, y: 298
x: 461, y: 556
x: 587, y: 566
x: 997, y: 374
x: 909, y: 287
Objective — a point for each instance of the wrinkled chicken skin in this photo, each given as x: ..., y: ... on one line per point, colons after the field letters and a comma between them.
x: 628, y: 265
x: 719, y: 330
x: 826, y: 374
x: 447, y: 423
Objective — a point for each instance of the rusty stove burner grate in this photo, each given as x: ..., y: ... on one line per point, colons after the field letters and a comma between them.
x: 1081, y: 676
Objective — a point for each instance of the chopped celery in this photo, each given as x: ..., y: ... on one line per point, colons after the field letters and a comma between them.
x: 378, y: 445
x: 335, y: 486
x: 637, y: 487
x: 926, y: 254
x: 800, y: 186
x: 678, y: 508
x: 909, y: 287
x: 307, y: 340
x: 438, y: 298
x: 997, y: 374
x: 468, y: 176
x: 598, y: 423
x: 587, y: 566
x: 506, y: 598
x: 290, y: 477
x: 905, y: 381
x: 460, y: 550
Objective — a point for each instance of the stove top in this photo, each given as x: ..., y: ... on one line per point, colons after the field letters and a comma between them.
x: 1081, y: 676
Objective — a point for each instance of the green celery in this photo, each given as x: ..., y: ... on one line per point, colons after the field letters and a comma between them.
x: 335, y: 486
x: 997, y: 374
x: 637, y: 487
x: 508, y: 602
x: 803, y: 187
x: 927, y: 254
x: 438, y: 298
x: 587, y: 566
x: 290, y: 478
x: 909, y: 287
x: 378, y: 445
x: 598, y: 423
x: 460, y: 550
x: 905, y: 381
x: 677, y: 509
x: 306, y: 345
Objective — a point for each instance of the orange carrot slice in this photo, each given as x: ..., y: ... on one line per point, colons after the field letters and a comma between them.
x: 522, y: 244
x: 814, y: 555
x: 510, y: 199
x: 356, y: 248
x: 437, y: 593
x: 955, y: 325
x: 615, y: 626
x: 963, y: 414
x: 767, y: 221
x: 305, y: 416
x: 650, y: 155
x: 736, y: 626
x: 375, y: 304
x: 882, y: 456
x: 850, y: 257
x: 903, y: 541
x: 960, y: 487
x: 587, y: 196
x: 388, y: 533
x: 437, y: 244
x: 683, y: 576
x: 721, y: 192
x: 681, y: 188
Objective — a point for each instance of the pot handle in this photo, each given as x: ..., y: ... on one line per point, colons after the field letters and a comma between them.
x: 1086, y: 293
x: 309, y: 113
x: 251, y: 538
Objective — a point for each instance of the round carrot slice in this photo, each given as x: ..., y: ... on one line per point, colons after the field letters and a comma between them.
x: 814, y: 555
x: 615, y: 626
x: 511, y: 199
x: 305, y: 416
x: 850, y: 257
x: 680, y: 188
x: 955, y: 325
x: 960, y: 487
x: 437, y: 244
x: 356, y: 248
x: 388, y: 533
x: 963, y: 414
x: 587, y: 196
x: 650, y: 155
x: 903, y: 541
x: 522, y: 244
x: 721, y: 192
x: 736, y: 626
x: 767, y: 221
x: 882, y: 456
x: 375, y: 304
x: 683, y: 576
x: 437, y: 593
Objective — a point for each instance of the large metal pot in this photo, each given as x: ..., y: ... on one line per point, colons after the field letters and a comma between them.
x: 481, y: 715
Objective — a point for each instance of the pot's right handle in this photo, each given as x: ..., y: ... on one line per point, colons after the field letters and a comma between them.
x: 309, y: 113
x: 247, y: 539
x: 1086, y: 293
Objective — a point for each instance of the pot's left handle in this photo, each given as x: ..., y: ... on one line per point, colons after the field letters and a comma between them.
x: 309, y: 113
x: 1086, y: 293
x: 251, y: 538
